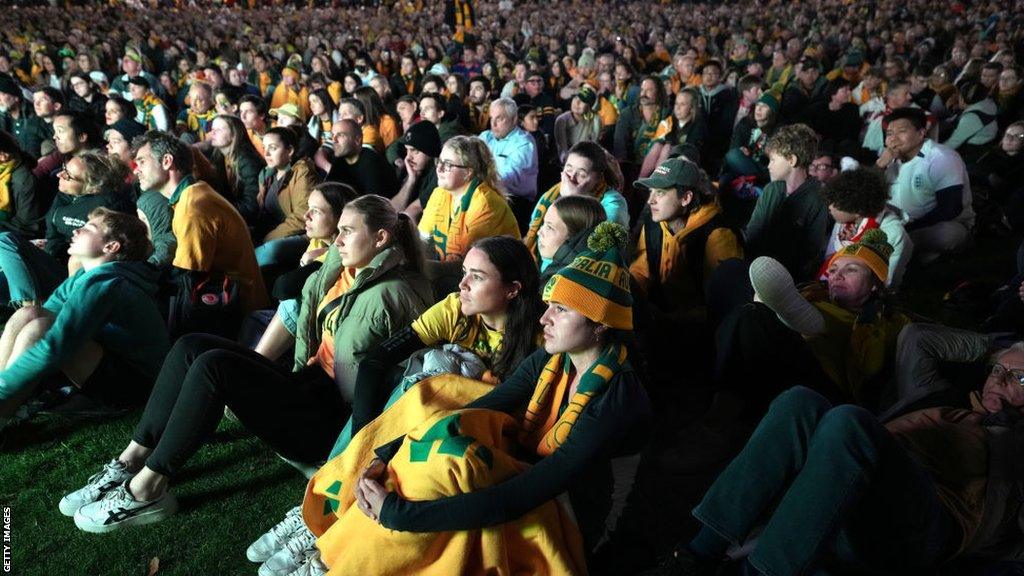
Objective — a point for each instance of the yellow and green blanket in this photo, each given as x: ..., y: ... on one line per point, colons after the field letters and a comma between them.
x: 447, y: 451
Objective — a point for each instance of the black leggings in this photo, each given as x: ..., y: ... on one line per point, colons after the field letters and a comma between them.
x: 299, y: 414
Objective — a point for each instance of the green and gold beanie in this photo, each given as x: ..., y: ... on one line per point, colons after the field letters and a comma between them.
x: 596, y: 284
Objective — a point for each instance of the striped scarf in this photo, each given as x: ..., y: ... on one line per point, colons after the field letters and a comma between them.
x: 543, y: 203
x: 199, y: 124
x: 456, y: 222
x: 544, y: 427
x: 6, y: 171
x: 145, y: 107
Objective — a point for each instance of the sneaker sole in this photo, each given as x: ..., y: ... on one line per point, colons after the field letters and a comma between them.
x: 141, y: 520
x: 66, y: 507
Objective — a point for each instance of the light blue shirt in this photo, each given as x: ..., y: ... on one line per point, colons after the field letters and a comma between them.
x: 515, y: 156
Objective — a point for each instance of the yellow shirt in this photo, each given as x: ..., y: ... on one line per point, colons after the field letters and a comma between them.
x: 482, y: 212
x: 325, y: 354
x: 213, y: 237
x: 444, y: 323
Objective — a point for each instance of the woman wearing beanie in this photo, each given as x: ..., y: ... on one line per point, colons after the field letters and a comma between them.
x: 571, y: 408
x: 838, y: 337
x: 858, y: 202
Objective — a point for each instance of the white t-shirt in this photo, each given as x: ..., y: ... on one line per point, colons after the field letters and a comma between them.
x: 935, y: 167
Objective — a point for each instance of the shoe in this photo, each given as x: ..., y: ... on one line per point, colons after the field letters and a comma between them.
x: 274, y: 540
x: 313, y: 566
x: 119, y: 508
x: 113, y: 474
x: 291, y: 556
x: 683, y: 562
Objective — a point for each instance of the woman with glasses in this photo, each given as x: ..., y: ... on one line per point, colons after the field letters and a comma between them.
x: 467, y: 204
x: 32, y: 269
x: 588, y: 171
x: 843, y: 492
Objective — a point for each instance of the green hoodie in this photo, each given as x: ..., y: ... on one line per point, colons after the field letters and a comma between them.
x: 113, y: 304
x: 384, y: 298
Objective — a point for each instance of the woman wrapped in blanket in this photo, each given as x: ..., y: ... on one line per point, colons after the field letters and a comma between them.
x: 579, y: 405
x: 370, y: 285
x: 494, y: 315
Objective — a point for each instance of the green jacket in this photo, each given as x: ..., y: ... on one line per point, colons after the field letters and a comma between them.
x: 113, y: 305
x: 158, y: 213
x: 383, y: 299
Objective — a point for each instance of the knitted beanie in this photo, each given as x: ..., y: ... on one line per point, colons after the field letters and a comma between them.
x: 769, y: 100
x: 873, y: 249
x: 596, y: 284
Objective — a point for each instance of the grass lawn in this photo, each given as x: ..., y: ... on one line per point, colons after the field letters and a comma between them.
x: 234, y: 489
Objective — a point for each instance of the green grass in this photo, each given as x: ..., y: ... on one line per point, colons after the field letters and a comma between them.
x: 232, y: 491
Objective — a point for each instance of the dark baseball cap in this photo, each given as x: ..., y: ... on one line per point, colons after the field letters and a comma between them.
x: 673, y: 173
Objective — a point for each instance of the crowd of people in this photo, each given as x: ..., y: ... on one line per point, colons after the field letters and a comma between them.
x: 451, y: 259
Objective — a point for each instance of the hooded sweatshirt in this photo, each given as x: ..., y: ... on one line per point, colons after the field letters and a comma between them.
x: 112, y: 304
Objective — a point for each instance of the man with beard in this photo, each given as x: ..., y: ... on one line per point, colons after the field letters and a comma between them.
x: 634, y: 131
x: 479, y: 107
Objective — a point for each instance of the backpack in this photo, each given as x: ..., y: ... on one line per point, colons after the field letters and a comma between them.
x: 203, y: 302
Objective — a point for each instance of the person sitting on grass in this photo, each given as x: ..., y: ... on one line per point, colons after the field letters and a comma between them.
x: 839, y: 337
x: 584, y: 364
x: 370, y: 285
x: 100, y: 328
x: 839, y: 491
x: 494, y: 316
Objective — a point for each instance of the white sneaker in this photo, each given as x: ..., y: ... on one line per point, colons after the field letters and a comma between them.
x: 288, y: 559
x: 277, y: 537
x: 119, y: 508
x: 313, y: 566
x: 113, y: 474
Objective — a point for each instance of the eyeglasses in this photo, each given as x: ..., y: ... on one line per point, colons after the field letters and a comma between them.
x: 446, y: 166
x: 578, y: 173
x: 1017, y: 136
x: 65, y: 175
x: 1004, y: 373
x: 819, y: 167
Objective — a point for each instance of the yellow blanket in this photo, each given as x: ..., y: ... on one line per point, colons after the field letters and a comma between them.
x: 447, y: 451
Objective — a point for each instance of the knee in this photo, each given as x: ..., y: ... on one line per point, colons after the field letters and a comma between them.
x: 800, y: 400
x: 192, y: 345
x: 207, y: 369
x: 9, y: 241
x: 27, y: 314
x: 847, y: 425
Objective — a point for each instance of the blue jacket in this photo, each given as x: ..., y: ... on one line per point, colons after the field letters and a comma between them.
x: 515, y: 156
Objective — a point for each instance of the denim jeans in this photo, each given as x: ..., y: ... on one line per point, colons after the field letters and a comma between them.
x: 841, y: 486
x: 26, y: 272
x: 282, y: 251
